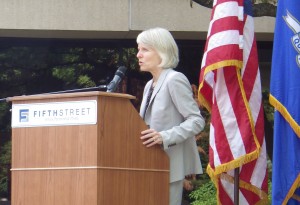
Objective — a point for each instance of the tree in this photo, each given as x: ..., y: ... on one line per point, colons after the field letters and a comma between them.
x: 260, y: 7
x: 45, y: 67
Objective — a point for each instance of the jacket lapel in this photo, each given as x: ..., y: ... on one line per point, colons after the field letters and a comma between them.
x: 158, y: 85
x: 146, y: 93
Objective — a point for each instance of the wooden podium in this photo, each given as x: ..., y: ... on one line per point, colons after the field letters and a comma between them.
x: 103, y: 163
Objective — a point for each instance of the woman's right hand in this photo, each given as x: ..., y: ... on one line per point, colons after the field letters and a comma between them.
x: 151, y: 137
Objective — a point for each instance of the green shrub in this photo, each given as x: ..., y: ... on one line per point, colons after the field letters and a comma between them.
x: 204, y: 195
x: 5, y: 158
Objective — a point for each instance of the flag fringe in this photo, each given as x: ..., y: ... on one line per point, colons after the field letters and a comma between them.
x: 285, y: 113
x: 262, y: 195
x: 242, y: 184
x: 246, y: 102
x: 222, y: 64
x: 238, y: 64
x: 232, y: 164
x: 292, y: 190
x: 204, y: 102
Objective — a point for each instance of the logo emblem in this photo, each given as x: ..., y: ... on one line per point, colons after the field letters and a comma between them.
x: 294, y: 25
x: 24, y: 115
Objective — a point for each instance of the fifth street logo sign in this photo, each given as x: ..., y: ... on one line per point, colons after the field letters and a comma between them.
x: 54, y: 113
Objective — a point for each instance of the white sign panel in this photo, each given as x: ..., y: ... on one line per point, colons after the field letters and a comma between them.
x: 54, y: 114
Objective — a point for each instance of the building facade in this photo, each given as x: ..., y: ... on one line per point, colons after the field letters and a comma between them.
x: 116, y: 19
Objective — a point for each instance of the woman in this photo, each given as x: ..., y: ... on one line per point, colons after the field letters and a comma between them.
x: 168, y: 108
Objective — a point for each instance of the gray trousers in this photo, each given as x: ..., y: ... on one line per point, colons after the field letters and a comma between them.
x: 176, y: 189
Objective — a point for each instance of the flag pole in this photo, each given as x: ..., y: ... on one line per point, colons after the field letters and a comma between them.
x: 236, y: 185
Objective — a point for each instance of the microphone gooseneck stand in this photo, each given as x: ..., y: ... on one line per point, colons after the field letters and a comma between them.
x: 97, y: 88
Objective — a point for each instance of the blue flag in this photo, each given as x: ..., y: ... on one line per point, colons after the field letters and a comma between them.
x: 285, y: 97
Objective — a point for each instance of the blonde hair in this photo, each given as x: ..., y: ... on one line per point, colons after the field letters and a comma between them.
x: 163, y: 42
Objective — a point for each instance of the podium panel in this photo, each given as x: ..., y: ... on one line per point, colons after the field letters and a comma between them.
x: 94, y: 164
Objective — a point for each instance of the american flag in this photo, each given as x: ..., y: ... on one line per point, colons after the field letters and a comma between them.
x: 230, y: 88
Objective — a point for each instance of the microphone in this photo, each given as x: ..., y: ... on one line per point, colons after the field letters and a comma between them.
x: 119, y: 75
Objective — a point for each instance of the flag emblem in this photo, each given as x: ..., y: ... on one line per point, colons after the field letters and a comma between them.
x: 294, y: 25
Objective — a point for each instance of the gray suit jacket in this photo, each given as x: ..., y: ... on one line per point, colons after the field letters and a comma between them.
x: 173, y: 112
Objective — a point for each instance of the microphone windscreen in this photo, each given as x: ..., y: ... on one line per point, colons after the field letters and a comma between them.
x: 121, y: 71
